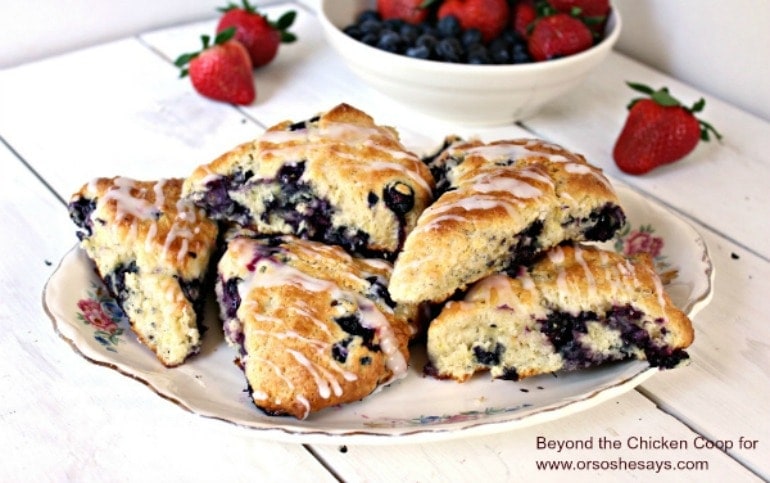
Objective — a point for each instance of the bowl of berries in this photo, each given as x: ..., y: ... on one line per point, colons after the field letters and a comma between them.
x: 474, y: 62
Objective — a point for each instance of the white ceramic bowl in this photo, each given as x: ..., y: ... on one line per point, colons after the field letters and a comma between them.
x: 462, y: 93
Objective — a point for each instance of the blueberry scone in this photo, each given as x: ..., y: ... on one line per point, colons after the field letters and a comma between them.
x: 499, y: 205
x: 575, y: 307
x: 338, y: 178
x: 152, y: 250
x: 313, y: 326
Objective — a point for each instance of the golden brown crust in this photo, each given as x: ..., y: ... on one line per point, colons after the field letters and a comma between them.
x: 312, y: 324
x: 347, y: 161
x: 577, y: 306
x: 149, y: 220
x: 499, y: 195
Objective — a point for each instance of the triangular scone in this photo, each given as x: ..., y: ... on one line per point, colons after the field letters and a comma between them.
x: 152, y: 249
x: 314, y: 327
x: 501, y: 203
x: 576, y: 307
x: 338, y: 178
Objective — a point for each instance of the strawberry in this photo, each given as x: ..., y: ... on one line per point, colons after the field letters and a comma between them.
x: 222, y: 71
x: 592, y: 12
x: 410, y: 11
x: 582, y: 8
x: 256, y: 32
x: 659, y: 130
x: 523, y: 16
x: 489, y: 16
x: 558, y: 35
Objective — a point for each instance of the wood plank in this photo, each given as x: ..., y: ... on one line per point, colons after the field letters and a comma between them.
x: 66, y: 419
x: 513, y: 456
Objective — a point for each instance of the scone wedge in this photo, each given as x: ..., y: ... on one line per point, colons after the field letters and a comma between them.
x: 152, y: 250
x: 313, y: 326
x: 337, y: 178
x: 500, y: 204
x: 575, y: 307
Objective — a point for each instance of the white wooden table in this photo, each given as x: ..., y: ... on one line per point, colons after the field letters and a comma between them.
x: 120, y: 109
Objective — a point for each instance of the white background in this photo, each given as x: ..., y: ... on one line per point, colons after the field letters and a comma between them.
x: 720, y: 47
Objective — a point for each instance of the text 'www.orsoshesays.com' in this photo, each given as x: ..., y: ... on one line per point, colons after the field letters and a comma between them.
x: 622, y: 464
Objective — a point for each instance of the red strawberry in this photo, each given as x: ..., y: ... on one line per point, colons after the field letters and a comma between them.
x: 260, y: 36
x: 582, y: 8
x: 223, y: 71
x: 410, y: 11
x: 658, y: 131
x: 592, y: 12
x: 523, y: 17
x: 489, y: 16
x: 558, y: 35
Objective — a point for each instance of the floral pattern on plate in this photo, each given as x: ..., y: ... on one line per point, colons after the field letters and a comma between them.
x: 413, y: 409
x: 100, y: 311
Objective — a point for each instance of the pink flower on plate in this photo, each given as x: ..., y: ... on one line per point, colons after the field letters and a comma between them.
x: 93, y: 314
x: 643, y: 242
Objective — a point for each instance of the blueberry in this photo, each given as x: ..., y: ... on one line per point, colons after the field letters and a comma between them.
x: 352, y: 325
x: 80, y: 213
x: 449, y: 49
x: 477, y: 54
x: 353, y: 31
x: 499, y: 51
x: 399, y: 197
x: 510, y: 374
x: 378, y: 291
x: 471, y: 37
x: 231, y: 298
x: 449, y: 26
x: 370, y: 38
x: 420, y: 52
x: 409, y: 33
x: 389, y: 41
x: 605, y: 222
x: 426, y: 40
x: 340, y: 350
x: 290, y: 174
x: 370, y: 26
x: 488, y: 358
x: 520, y: 53
x: 116, y: 280
x: 372, y: 199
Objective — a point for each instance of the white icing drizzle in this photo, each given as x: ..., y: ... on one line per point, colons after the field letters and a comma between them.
x: 556, y: 255
x: 323, y: 386
x: 137, y: 206
x: 513, y: 152
x: 294, y: 145
x: 518, y: 188
x: 268, y: 273
x: 587, y: 270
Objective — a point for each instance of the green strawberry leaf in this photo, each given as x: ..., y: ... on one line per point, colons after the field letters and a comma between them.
x: 286, y: 20
x: 221, y: 37
x: 664, y: 98
x: 288, y: 37
x: 698, y: 106
x: 641, y: 88
x: 706, y: 129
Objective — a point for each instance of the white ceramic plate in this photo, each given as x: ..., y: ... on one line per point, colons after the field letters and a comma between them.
x: 414, y: 409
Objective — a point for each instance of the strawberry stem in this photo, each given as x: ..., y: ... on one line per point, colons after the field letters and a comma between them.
x: 282, y: 26
x: 185, y: 59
